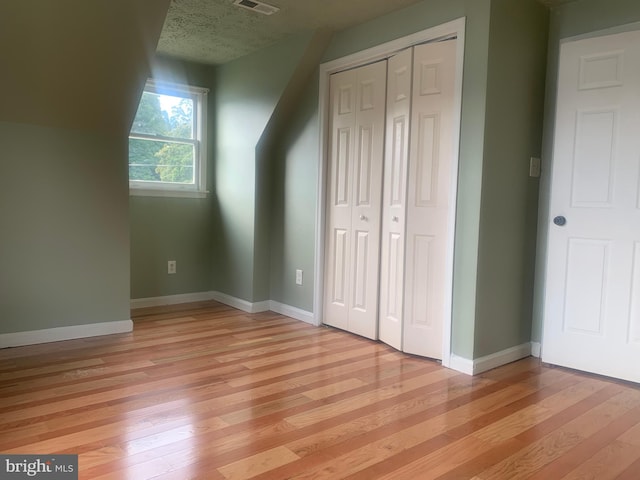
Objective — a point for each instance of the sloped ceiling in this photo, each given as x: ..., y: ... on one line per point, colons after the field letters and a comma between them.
x: 216, y: 31
x: 76, y: 63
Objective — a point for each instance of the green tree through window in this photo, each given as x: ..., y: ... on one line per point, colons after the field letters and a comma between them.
x: 175, y: 160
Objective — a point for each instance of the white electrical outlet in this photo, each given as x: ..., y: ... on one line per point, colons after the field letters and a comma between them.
x: 298, y: 277
x: 171, y: 267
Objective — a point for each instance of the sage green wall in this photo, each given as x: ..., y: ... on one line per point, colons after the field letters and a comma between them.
x: 64, y: 246
x: 268, y: 158
x: 577, y: 18
x: 247, y: 91
x: 294, y: 205
x: 180, y: 229
x: 69, y: 89
x: 508, y: 216
x: 165, y: 229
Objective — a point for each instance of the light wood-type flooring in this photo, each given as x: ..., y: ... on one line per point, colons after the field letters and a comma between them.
x: 206, y: 391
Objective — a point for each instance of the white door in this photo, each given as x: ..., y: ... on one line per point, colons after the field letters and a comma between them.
x: 429, y: 197
x: 354, y: 199
x: 592, y: 297
x: 399, y: 79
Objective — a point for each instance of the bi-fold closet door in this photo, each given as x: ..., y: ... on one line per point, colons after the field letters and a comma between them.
x: 354, y: 196
x: 399, y: 296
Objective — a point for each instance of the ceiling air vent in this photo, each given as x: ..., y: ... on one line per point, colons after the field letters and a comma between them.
x: 257, y: 6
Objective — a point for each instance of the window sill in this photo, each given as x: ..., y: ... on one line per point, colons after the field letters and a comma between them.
x: 151, y: 192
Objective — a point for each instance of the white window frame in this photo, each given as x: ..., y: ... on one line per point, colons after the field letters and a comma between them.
x: 168, y: 189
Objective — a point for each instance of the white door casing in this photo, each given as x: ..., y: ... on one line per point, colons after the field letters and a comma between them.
x: 429, y: 225
x: 399, y: 81
x: 592, y: 288
x: 354, y: 198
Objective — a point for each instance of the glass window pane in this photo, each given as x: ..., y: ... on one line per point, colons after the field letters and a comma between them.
x: 166, y: 115
x: 152, y: 161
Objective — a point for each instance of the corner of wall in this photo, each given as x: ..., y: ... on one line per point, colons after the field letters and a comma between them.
x: 275, y: 130
x: 254, y: 95
x: 509, y: 199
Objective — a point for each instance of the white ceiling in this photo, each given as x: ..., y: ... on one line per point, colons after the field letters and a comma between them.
x: 216, y: 31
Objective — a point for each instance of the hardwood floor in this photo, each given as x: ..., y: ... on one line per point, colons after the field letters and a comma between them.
x: 205, y: 391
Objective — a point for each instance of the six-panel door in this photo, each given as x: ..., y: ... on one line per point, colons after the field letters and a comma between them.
x: 592, y: 295
x: 353, y: 214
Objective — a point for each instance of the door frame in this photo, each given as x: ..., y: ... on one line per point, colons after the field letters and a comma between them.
x: 455, y: 28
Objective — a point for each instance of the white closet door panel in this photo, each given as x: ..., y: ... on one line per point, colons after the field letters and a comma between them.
x: 343, y: 92
x: 366, y: 198
x: 428, y: 197
x: 354, y: 196
x: 399, y: 82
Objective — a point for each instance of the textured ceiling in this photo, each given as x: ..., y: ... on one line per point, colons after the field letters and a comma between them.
x: 216, y: 31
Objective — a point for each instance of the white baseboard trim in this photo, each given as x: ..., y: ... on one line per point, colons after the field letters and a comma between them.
x: 503, y: 357
x: 483, y: 364
x: 57, y: 334
x: 292, y: 312
x: 536, y: 349
x: 461, y: 364
x: 171, y: 299
x: 240, y: 304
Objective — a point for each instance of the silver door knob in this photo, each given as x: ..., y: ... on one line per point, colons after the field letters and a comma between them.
x: 363, y: 218
x: 560, y: 221
x: 394, y: 219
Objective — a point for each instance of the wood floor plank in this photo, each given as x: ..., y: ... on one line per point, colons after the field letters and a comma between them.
x: 41, y: 371
x: 421, y: 456
x: 334, y: 388
x: 510, y: 448
x: 632, y: 472
x: 256, y: 464
x: 433, y: 464
x: 429, y: 429
x: 556, y: 444
x: 632, y: 436
x: 589, y: 448
x: 606, y: 464
x: 530, y: 416
x: 272, y: 373
x: 205, y: 391
x: 269, y: 432
x: 497, y: 434
x: 327, y: 411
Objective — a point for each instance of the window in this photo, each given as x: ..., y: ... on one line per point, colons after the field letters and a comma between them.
x: 167, y: 143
